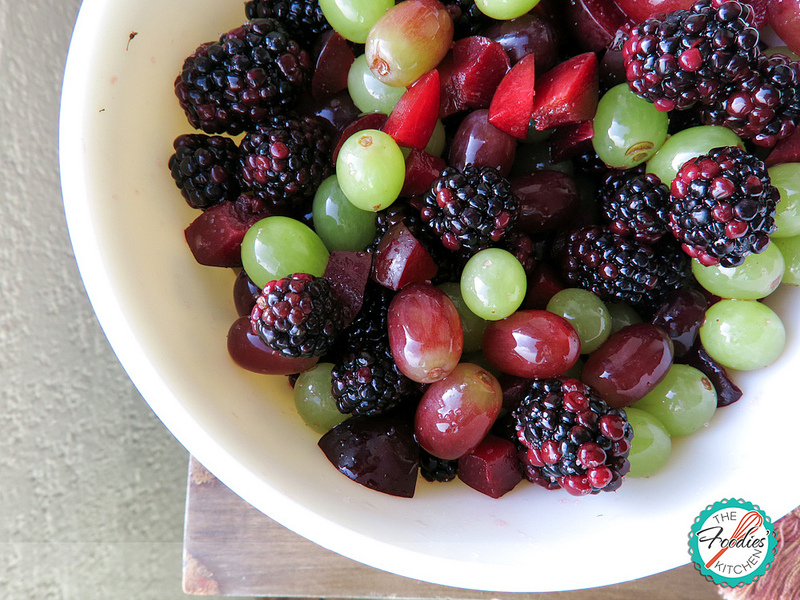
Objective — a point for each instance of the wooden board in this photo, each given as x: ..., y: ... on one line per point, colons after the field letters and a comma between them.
x: 232, y: 549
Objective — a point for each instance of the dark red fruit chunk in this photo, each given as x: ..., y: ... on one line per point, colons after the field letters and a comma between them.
x: 470, y: 74
x: 249, y: 352
x: 379, y: 452
x: 543, y: 284
x: 681, y: 316
x: 401, y: 259
x: 215, y: 237
x: 547, y: 200
x: 727, y: 391
x: 348, y: 273
x: 477, y: 142
x: 784, y: 16
x: 593, y: 23
x: 785, y: 151
x: 338, y: 111
x: 531, y: 343
x: 532, y: 33
x: 414, y: 117
x: 629, y: 364
x: 514, y: 390
x: 373, y: 120
x: 760, y: 8
x: 512, y: 104
x: 567, y: 93
x: 334, y: 58
x: 569, y: 141
x: 422, y: 169
x: 492, y: 468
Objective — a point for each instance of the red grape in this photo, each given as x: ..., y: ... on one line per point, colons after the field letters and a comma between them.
x: 424, y: 333
x: 480, y: 143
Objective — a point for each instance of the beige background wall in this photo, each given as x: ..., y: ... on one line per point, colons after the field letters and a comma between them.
x: 92, y: 486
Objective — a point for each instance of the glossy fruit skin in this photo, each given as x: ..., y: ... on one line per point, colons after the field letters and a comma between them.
x: 276, y: 247
x: 786, y: 177
x: 531, y: 33
x: 743, y: 334
x: 409, y: 40
x: 472, y: 326
x: 532, y: 343
x: 370, y: 169
x: 314, y: 401
x: 493, y: 284
x: 368, y: 92
x: 629, y: 364
x: 424, y: 333
x: 681, y: 316
x: 790, y: 249
x: 492, y: 467
x: 587, y: 313
x: 684, y: 401
x: 505, y: 9
x: 547, y: 200
x: 757, y: 277
x: 456, y: 413
x: 480, y: 143
x: 639, y: 10
x: 248, y: 351
x: 628, y: 130
x: 339, y: 224
x: 651, y: 446
x: 354, y: 18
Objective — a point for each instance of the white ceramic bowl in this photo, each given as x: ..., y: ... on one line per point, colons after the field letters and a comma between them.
x: 167, y: 319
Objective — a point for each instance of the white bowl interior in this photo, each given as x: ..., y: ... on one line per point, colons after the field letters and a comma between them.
x: 167, y: 319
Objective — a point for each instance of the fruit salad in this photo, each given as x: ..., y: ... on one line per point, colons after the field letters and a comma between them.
x: 501, y: 242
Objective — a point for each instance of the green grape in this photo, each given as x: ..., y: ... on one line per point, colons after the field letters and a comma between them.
x: 276, y: 247
x: 790, y: 250
x: 651, y: 446
x: 622, y: 315
x: 683, y: 402
x: 339, y: 224
x: 493, y: 284
x: 786, y: 177
x: 586, y: 313
x: 368, y: 93
x: 628, y: 130
x: 505, y: 9
x: 353, y: 19
x: 314, y: 401
x: 742, y: 334
x: 757, y: 277
x: 436, y: 144
x: 686, y: 145
x: 471, y: 324
x: 371, y: 169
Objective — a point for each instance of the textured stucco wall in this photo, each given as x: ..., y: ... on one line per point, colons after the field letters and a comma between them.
x: 92, y: 486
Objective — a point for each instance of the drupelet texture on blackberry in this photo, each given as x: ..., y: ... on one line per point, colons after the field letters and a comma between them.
x: 765, y: 106
x: 433, y: 468
x: 689, y: 56
x: 723, y: 206
x: 205, y: 169
x: 232, y: 84
x: 467, y: 17
x: 367, y: 381
x: 471, y: 209
x: 298, y: 316
x: 635, y: 204
x: 286, y: 159
x: 303, y: 19
x: 574, y: 440
x: 620, y: 269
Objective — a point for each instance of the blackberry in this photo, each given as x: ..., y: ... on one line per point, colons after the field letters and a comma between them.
x: 723, y: 206
x: 620, y: 269
x: 689, y: 56
x: 471, y: 209
x: 467, y: 18
x: 286, y: 159
x: 635, y: 204
x: 573, y: 438
x: 367, y: 382
x: 303, y: 19
x: 205, y: 169
x: 433, y: 468
x: 298, y: 316
x: 230, y: 85
x: 765, y: 106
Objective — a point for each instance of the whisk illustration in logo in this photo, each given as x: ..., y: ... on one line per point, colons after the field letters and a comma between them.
x: 732, y: 542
